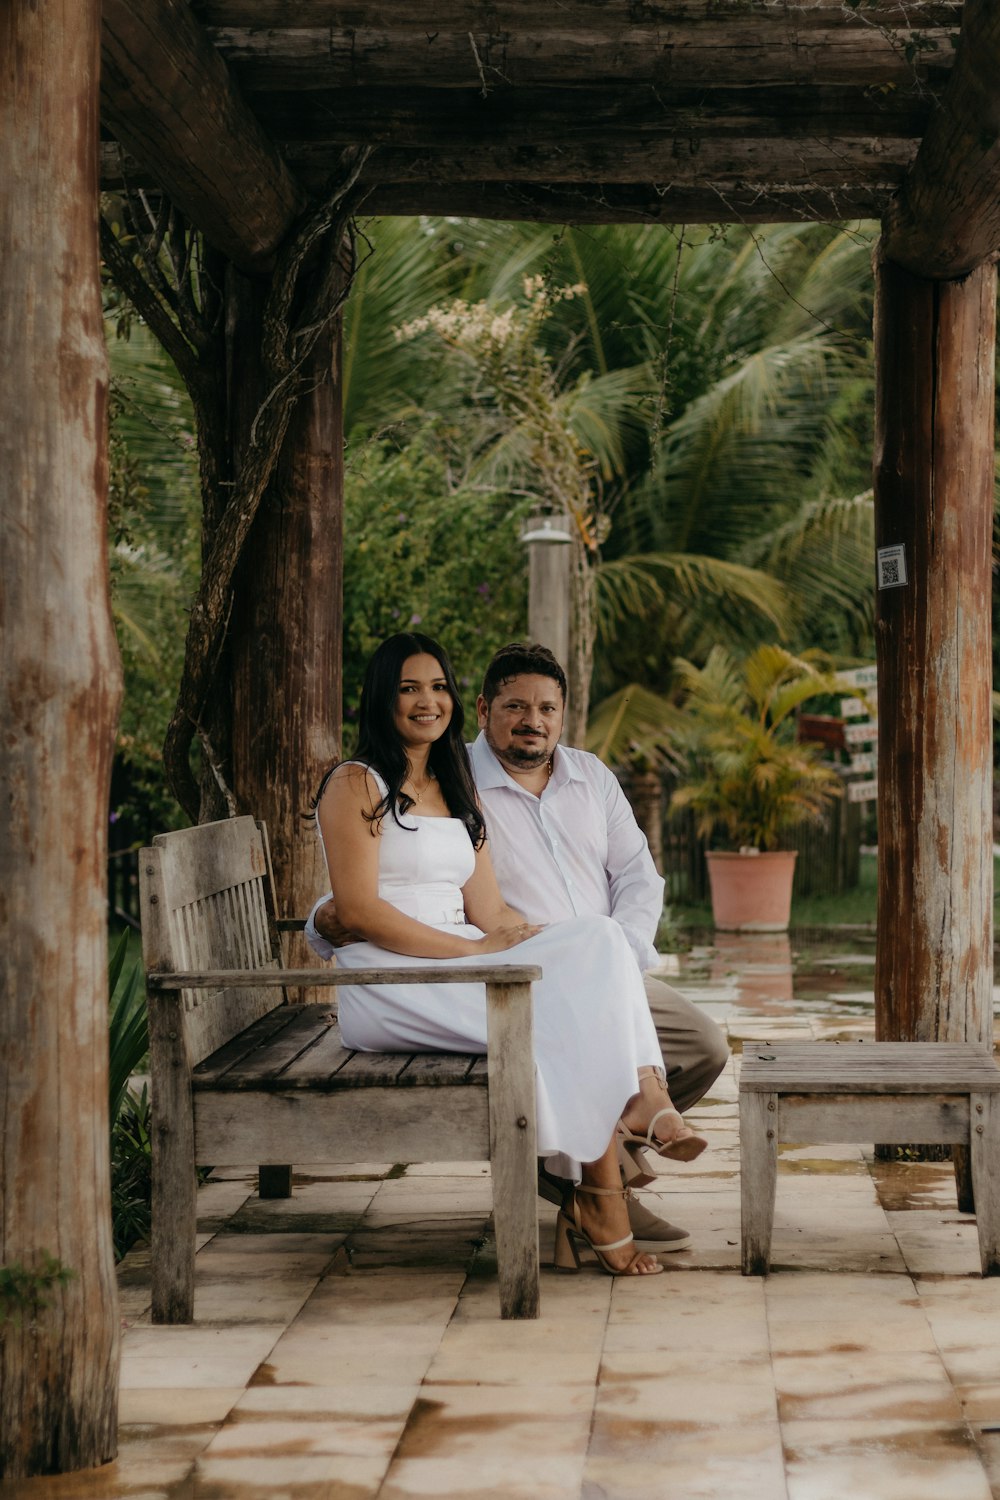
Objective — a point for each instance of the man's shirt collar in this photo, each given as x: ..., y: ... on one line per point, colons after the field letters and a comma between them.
x: 489, y: 772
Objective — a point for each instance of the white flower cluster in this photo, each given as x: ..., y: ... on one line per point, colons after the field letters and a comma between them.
x: 467, y: 324
x: 539, y: 295
x: 476, y: 325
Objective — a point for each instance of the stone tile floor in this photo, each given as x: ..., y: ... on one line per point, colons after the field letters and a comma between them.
x: 347, y: 1343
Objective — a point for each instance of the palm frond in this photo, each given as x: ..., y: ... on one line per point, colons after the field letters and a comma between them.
x: 633, y: 722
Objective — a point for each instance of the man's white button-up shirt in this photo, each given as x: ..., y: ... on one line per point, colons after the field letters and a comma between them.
x: 575, y: 851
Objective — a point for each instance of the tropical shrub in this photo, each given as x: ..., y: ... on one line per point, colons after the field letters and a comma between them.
x: 131, y: 1150
x: 744, y: 775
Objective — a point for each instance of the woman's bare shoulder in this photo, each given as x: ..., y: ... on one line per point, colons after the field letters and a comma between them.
x: 352, y: 781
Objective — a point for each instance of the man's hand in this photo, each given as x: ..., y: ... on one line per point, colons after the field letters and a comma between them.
x: 329, y: 926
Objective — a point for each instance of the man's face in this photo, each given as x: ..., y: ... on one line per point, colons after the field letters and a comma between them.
x: 523, y: 723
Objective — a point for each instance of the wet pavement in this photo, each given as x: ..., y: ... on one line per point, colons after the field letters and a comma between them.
x: 347, y: 1343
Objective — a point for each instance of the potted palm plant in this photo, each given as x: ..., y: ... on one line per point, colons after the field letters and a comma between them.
x: 748, y: 781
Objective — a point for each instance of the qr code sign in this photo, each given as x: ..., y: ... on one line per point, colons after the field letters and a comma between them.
x: 892, y: 567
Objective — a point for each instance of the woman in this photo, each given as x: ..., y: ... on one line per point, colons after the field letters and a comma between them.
x: 411, y: 876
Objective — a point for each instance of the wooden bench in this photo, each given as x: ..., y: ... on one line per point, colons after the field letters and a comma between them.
x: 239, y: 1075
x: 930, y: 1093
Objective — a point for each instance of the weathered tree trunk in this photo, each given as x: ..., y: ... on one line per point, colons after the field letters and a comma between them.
x: 287, y: 624
x: 934, y: 496
x: 645, y: 793
x: 59, y: 694
x: 582, y: 631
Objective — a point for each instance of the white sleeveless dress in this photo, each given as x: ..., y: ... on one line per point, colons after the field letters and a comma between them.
x: 593, y: 1027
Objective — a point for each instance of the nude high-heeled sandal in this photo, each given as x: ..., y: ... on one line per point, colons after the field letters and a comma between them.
x: 571, y: 1236
x: 643, y: 1150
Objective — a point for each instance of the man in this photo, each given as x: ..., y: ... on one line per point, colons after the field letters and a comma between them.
x: 564, y: 843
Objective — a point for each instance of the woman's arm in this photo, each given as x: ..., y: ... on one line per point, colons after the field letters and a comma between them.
x: 484, y: 905
x: 352, y: 853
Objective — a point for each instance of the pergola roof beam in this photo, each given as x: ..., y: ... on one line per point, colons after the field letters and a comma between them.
x: 946, y: 218
x: 497, y: 46
x: 169, y: 98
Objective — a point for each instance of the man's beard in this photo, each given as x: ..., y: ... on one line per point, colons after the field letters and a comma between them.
x: 525, y: 759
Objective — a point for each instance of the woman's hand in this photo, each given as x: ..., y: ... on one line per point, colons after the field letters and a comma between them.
x: 504, y: 937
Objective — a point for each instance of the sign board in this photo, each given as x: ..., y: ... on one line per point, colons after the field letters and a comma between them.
x: 866, y: 760
x: 891, y: 567
x: 859, y: 677
x: 861, y: 733
x: 862, y: 791
x: 820, y: 729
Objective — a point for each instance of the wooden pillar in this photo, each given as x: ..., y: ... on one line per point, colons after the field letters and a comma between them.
x: 287, y: 635
x: 549, y: 543
x: 60, y: 687
x: 935, y: 344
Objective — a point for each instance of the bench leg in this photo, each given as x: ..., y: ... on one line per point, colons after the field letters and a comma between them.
x: 175, y: 1177
x: 274, y: 1182
x: 984, y: 1153
x: 758, y: 1179
x: 964, y: 1186
x: 174, y: 1218
x: 512, y: 1146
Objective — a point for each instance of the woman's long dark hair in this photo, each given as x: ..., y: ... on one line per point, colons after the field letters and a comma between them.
x: 380, y: 746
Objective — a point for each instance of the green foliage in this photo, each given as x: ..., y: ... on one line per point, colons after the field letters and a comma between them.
x: 713, y: 386
x: 128, y: 1036
x: 745, y: 773
x: 131, y: 1172
x: 26, y: 1290
x: 419, y: 554
x: 131, y: 1153
x: 154, y: 530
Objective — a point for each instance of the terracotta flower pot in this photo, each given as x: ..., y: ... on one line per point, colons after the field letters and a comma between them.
x: 751, y: 891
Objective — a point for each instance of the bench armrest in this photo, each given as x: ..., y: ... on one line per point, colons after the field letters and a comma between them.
x: 214, y: 979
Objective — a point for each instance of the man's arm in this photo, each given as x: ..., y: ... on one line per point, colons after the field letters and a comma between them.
x: 324, y: 931
x: 636, y: 888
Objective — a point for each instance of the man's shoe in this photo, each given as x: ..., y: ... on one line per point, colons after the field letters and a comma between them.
x: 650, y: 1232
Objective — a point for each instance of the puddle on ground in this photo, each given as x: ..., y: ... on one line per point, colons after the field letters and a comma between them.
x: 816, y: 1166
x: 903, y: 1185
x: 778, y: 974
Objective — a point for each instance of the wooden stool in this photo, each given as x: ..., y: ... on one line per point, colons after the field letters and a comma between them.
x: 928, y: 1093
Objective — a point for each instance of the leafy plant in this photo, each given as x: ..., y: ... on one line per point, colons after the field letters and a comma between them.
x: 128, y: 1035
x: 131, y: 1172
x: 745, y: 772
x: 131, y: 1150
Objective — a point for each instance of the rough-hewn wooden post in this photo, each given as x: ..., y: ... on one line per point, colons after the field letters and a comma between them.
x: 935, y: 344
x: 287, y: 634
x: 60, y: 687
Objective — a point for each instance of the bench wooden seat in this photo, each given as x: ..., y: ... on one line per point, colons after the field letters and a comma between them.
x: 893, y: 1093
x: 241, y: 1075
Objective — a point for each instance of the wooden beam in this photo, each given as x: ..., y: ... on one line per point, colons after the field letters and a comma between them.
x: 495, y: 47
x: 683, y: 161
x: 439, y: 117
x: 592, y: 16
x: 935, y: 346
x: 595, y: 202
x: 60, y: 687
x: 630, y: 203
x: 168, y: 97
x: 946, y: 219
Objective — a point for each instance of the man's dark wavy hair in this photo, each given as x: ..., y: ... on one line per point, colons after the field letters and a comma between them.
x: 516, y: 659
x: 380, y: 746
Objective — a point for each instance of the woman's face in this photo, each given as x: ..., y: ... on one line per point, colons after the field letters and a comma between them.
x: 424, y: 705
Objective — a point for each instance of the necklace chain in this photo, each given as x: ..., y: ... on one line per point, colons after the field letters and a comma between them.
x: 420, y: 792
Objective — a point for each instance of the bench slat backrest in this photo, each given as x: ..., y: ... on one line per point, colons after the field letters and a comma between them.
x: 207, y: 900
